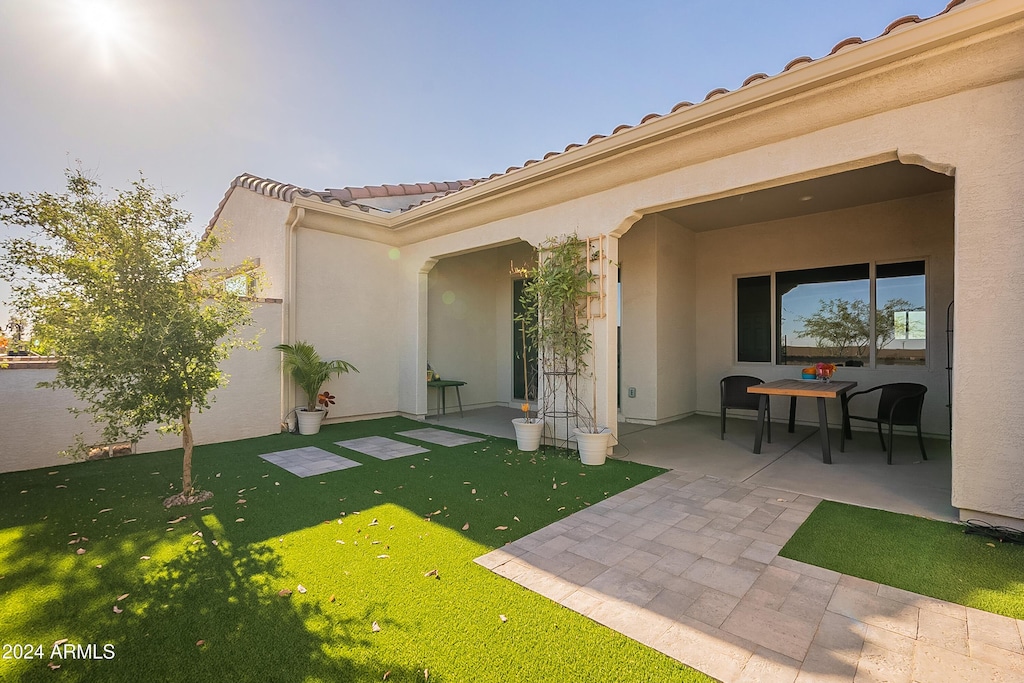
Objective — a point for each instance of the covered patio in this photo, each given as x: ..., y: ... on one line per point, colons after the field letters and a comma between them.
x: 792, y: 462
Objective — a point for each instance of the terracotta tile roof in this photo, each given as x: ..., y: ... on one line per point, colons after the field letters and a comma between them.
x: 350, y: 196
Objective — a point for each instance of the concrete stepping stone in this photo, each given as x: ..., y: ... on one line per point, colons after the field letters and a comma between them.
x: 381, y: 447
x: 309, y: 461
x: 440, y: 437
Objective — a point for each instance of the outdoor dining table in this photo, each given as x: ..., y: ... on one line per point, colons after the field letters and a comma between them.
x: 810, y: 388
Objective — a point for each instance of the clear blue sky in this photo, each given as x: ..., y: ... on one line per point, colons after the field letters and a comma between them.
x: 329, y: 94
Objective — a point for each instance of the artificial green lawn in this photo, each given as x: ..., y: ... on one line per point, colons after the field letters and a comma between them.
x: 919, y: 555
x: 359, y: 541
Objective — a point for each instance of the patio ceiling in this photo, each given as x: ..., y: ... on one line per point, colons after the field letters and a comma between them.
x: 880, y: 183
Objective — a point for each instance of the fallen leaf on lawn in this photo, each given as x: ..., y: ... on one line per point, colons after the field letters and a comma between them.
x: 218, y: 475
x: 412, y: 467
x: 505, y: 494
x: 133, y: 519
x: 80, y: 551
x: 374, y: 522
x: 207, y: 507
x: 465, y: 527
x: 426, y: 674
x: 341, y: 542
x: 60, y: 486
x: 144, y: 557
x: 554, y: 486
x: 99, y: 566
x: 391, y: 527
x: 284, y: 592
x: 301, y: 588
x: 197, y: 533
x: 991, y: 545
x: 214, y: 541
x: 561, y: 508
x: 241, y: 491
x: 276, y: 483
x: 582, y: 474
x: 200, y: 643
x: 239, y: 501
x: 374, y: 542
x: 375, y: 627
x: 383, y: 557
x: 122, y: 596
x: 386, y: 674
x: 473, y: 491
x: 515, y: 518
x: 432, y: 572
x: 501, y: 528
x: 84, y: 538
x: 503, y: 618
x: 53, y: 667
x: 58, y: 643
x: 117, y: 610
x: 240, y: 519
x: 435, y: 512
x: 196, y: 542
x: 179, y: 519
x: 74, y: 540
x: 563, y: 483
x: 377, y: 492
x: 105, y: 510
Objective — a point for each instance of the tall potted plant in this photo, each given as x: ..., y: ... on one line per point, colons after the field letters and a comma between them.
x: 555, y: 303
x: 310, y: 372
x: 529, y: 428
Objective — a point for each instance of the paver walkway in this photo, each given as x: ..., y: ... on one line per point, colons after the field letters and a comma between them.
x: 381, y: 447
x: 689, y: 565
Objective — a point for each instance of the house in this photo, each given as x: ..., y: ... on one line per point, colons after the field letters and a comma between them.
x: 889, y: 171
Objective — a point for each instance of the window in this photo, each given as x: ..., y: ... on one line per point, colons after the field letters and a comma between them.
x: 825, y: 314
x: 754, y: 319
x: 900, y: 322
x: 239, y: 285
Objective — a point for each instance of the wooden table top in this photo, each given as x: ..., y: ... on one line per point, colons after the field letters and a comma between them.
x: 802, y: 387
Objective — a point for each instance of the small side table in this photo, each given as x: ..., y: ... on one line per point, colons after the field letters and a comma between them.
x: 441, y: 385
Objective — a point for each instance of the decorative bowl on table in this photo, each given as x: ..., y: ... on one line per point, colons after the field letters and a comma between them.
x: 807, y: 375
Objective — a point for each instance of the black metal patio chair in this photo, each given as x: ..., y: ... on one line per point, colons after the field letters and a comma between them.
x: 900, y: 403
x: 734, y: 395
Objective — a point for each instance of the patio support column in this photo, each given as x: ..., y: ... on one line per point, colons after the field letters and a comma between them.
x: 422, y: 298
x: 606, y: 344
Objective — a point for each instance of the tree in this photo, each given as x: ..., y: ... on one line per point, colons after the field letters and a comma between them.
x: 115, y: 288
x: 839, y: 325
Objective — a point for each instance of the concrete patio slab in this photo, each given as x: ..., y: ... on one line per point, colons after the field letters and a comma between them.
x: 381, y: 447
x: 441, y: 437
x: 735, y: 609
x: 309, y: 461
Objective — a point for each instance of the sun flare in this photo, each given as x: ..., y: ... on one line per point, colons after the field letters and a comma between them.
x: 105, y: 25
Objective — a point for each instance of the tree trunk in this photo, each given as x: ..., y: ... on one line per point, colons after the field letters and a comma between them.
x: 186, y: 445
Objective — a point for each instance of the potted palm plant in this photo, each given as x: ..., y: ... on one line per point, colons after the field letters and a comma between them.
x: 555, y: 303
x: 310, y: 372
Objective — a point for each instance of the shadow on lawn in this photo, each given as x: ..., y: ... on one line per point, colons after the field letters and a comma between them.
x: 224, y: 594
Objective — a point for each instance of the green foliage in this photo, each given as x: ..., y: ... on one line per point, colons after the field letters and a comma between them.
x: 843, y: 326
x: 310, y: 371
x: 113, y: 285
x: 555, y: 313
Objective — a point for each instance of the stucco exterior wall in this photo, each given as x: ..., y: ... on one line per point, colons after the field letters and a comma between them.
x: 658, y: 321
x: 345, y: 305
x: 906, y: 229
x: 253, y: 226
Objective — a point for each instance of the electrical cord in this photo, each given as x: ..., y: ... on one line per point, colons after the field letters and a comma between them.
x: 1002, y: 533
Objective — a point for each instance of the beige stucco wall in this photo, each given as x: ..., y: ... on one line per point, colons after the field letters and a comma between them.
x: 658, y: 321
x: 346, y: 304
x: 469, y: 323
x: 907, y: 229
x: 252, y: 226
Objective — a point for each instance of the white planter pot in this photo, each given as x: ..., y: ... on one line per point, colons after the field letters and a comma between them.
x: 593, y: 448
x: 528, y: 434
x: 309, y: 422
